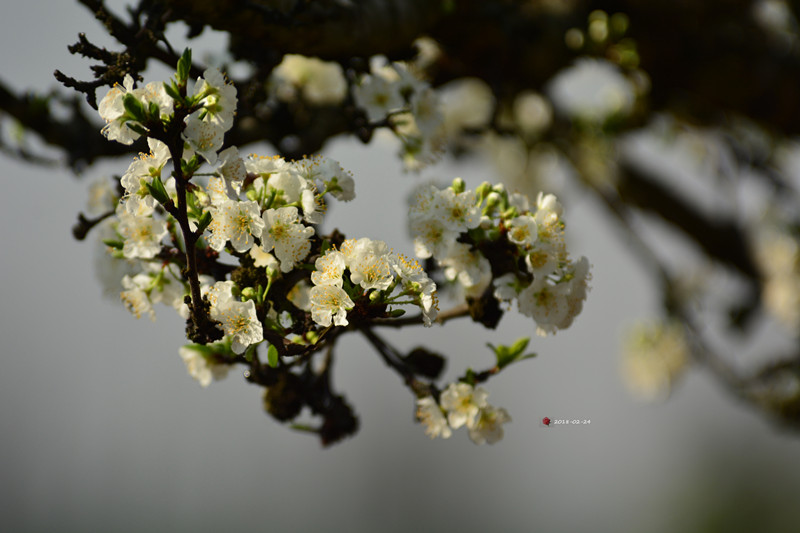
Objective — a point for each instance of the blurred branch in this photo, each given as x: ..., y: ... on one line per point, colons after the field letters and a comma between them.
x: 767, y: 388
x: 260, y: 30
x: 76, y: 135
x: 723, y: 240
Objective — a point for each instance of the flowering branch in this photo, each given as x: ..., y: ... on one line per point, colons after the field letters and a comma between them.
x: 294, y: 291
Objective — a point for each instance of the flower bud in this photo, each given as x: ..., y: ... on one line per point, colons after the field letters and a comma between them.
x: 248, y: 293
x: 458, y: 185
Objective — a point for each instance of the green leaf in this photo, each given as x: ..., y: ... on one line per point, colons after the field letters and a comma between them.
x: 172, y: 90
x: 138, y: 128
x: 184, y: 64
x: 113, y: 244
x: 469, y: 377
x: 156, y: 188
x: 204, y: 221
x: 154, y: 110
x: 272, y: 356
x: 134, y: 108
x: 511, y: 354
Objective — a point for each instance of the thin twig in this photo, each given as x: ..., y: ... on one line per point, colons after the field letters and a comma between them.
x: 456, y: 312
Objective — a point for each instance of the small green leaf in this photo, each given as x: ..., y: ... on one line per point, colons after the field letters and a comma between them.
x: 272, y: 356
x: 138, y: 128
x: 204, y: 221
x: 172, y: 90
x: 134, y: 107
x: 511, y: 354
x: 184, y: 65
x: 469, y: 378
x: 154, y: 110
x: 156, y: 188
x: 113, y: 244
x: 190, y: 167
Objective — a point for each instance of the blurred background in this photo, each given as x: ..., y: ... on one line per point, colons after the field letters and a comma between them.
x: 103, y: 429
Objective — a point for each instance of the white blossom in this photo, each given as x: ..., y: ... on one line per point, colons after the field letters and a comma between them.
x: 414, y: 279
x: 467, y: 104
x: 523, y: 230
x: 202, y: 367
x: 237, y: 222
x: 232, y: 168
x: 328, y: 269
x: 218, y: 99
x: 239, y: 321
x: 142, y: 235
x: 488, y: 425
x: 591, y: 90
x: 112, y: 110
x: 327, y: 174
x: 431, y: 237
x: 430, y: 415
x: 263, y: 259
x: 368, y: 262
x: 135, y: 295
x: 462, y: 403
x: 137, y: 199
x: 329, y: 302
x: 378, y: 97
x: 285, y: 234
x: 546, y: 303
x: 205, y: 138
x: 467, y: 267
x: 300, y: 295
x: 318, y: 82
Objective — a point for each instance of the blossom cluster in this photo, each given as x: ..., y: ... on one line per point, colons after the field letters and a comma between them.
x: 376, y: 275
x: 232, y: 243
x: 461, y: 228
x: 412, y: 108
x: 264, y: 207
x: 459, y: 405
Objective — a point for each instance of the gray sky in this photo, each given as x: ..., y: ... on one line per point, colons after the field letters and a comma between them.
x: 103, y: 429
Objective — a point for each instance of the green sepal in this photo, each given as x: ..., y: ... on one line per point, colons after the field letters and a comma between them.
x: 134, y: 108
x: 157, y: 190
x: 272, y: 356
x: 184, y: 65
x: 204, y: 221
x: 395, y: 313
x: 113, y: 244
x: 511, y: 354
